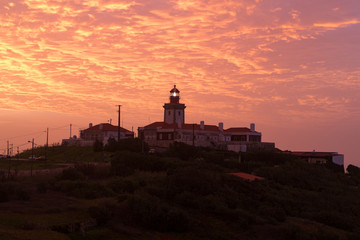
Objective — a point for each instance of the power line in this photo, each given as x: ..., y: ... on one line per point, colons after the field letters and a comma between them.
x: 30, y: 134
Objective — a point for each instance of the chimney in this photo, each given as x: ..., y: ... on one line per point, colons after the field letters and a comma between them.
x: 252, y: 127
x: 202, y: 125
x: 221, y: 126
x: 90, y: 125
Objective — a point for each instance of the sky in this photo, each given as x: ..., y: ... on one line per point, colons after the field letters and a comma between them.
x: 292, y: 67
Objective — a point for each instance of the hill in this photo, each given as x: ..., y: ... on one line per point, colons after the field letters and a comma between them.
x: 184, y: 193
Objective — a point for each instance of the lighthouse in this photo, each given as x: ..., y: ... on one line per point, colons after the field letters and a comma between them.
x: 174, y: 112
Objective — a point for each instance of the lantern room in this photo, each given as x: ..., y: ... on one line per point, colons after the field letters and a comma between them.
x: 174, y: 95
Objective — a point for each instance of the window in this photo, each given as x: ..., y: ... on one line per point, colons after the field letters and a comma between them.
x: 253, y: 138
x: 169, y: 113
x: 179, y: 113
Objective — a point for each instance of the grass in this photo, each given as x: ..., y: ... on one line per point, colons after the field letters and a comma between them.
x: 18, y: 165
x: 65, y: 154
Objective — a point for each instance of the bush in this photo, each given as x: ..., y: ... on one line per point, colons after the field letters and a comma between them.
x: 124, y: 163
x: 150, y: 212
x: 81, y: 189
x: 122, y: 186
x: 353, y: 170
x: 103, y: 212
x: 42, y: 187
x: 334, y: 219
x: 129, y: 144
x: 183, y: 151
x: 71, y: 174
x: 93, y: 171
x: 4, y: 193
x: 200, y: 182
x: 98, y: 146
x: 22, y: 194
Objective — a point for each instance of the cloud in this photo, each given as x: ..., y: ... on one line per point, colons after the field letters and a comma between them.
x: 82, y: 55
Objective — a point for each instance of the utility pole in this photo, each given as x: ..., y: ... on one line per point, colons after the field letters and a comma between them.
x: 32, y: 147
x: 11, y: 149
x: 32, y: 152
x: 70, y: 129
x: 47, y: 142
x: 193, y: 133
x: 119, y: 123
x: 7, y: 152
x: 9, y: 159
x: 32, y: 155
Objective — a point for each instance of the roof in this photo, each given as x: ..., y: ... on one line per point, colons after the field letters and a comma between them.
x: 106, y: 127
x: 162, y: 125
x: 247, y: 176
x: 174, y: 90
x: 185, y: 126
x: 197, y: 127
x: 239, y: 129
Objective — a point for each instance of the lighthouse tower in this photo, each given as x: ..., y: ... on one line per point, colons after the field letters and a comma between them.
x: 174, y: 111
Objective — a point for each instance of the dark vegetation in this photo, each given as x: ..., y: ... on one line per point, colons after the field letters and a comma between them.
x: 183, y: 193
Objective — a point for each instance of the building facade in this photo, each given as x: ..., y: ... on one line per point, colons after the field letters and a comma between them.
x: 320, y: 157
x: 101, y: 132
x: 174, y: 129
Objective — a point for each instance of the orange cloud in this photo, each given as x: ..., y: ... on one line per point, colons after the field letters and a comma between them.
x: 247, y: 60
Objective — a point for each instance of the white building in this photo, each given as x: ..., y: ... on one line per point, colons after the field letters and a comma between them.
x: 102, y: 132
x: 174, y: 129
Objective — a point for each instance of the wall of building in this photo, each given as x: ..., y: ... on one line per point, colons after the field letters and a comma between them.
x: 338, y: 159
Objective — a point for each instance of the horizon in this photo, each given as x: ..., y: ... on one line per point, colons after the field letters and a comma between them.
x: 292, y: 68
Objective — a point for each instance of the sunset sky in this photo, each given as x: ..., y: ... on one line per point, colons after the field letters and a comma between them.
x: 290, y: 66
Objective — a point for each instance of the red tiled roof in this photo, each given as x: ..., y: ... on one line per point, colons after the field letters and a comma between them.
x: 106, y: 127
x: 247, y: 176
x: 183, y: 126
x: 190, y: 126
x: 241, y: 129
x: 162, y: 125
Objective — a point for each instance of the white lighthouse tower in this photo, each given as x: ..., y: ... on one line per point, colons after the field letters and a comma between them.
x: 174, y: 112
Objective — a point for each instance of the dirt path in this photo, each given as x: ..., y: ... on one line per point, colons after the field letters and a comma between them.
x: 34, y: 172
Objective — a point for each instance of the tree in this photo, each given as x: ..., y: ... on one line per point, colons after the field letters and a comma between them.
x: 98, y: 146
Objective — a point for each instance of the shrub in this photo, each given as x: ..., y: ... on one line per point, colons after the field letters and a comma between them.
x: 150, y: 212
x: 4, y: 193
x: 22, y: 194
x: 129, y: 144
x: 93, y: 171
x: 183, y: 151
x: 334, y: 219
x: 353, y: 170
x: 188, y: 200
x: 124, y: 163
x: 98, y: 146
x: 42, y: 187
x: 71, y: 174
x: 200, y: 182
x: 122, y: 186
x: 102, y: 214
x: 81, y: 189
